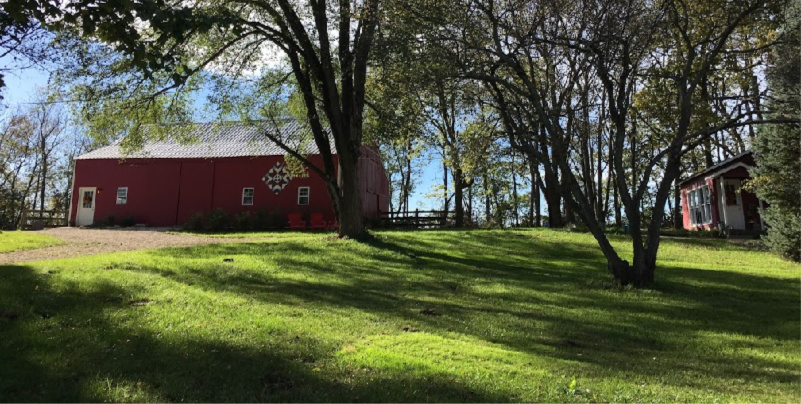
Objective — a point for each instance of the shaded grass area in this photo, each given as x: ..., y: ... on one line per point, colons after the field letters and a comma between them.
x: 474, y: 316
x: 25, y: 240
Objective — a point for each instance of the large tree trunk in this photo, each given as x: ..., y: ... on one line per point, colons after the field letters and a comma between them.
x: 678, y: 222
x: 349, y: 201
x: 514, y: 193
x: 487, y: 200
x: 536, y: 196
x: 458, y: 196
x: 553, y: 200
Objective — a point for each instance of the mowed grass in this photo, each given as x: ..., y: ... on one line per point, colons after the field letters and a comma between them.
x: 474, y: 316
x: 24, y: 240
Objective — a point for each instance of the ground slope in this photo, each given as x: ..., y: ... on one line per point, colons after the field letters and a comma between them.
x: 413, y: 316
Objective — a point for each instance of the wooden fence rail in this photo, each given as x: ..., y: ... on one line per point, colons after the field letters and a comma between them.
x: 35, y: 219
x: 416, y: 219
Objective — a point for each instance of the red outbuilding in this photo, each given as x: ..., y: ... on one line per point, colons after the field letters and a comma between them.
x: 715, y: 198
x: 231, y: 166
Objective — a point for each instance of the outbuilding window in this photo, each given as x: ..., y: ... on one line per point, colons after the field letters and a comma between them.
x: 122, y: 196
x: 303, y: 196
x: 700, y: 206
x: 247, y: 196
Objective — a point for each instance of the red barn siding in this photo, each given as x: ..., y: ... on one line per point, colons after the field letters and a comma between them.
x: 196, y: 189
x: 166, y: 192
x: 374, y: 183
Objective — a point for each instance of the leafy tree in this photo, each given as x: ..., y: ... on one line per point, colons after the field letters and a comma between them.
x: 537, y: 56
x: 166, y: 49
x: 23, y: 41
x: 778, y: 147
x: 394, y: 120
x: 35, y: 160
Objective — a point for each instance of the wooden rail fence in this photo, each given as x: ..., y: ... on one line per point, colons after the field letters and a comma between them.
x: 414, y: 219
x: 35, y: 219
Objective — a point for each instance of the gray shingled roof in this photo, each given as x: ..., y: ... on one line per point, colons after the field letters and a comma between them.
x: 226, y: 139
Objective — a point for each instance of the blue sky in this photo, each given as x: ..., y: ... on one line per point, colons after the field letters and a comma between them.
x: 21, y: 85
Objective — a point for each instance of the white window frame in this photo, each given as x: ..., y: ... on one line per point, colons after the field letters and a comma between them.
x: 700, y: 204
x: 307, y: 196
x: 245, y: 196
x: 124, y: 199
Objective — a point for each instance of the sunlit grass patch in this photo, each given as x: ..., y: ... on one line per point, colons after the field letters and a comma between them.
x: 24, y: 240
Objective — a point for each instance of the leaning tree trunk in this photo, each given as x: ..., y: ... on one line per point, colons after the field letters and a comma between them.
x: 678, y: 221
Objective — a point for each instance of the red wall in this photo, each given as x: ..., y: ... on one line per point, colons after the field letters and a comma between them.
x: 156, y: 199
x: 167, y: 192
x: 374, y: 182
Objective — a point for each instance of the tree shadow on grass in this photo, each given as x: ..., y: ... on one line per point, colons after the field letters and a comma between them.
x: 626, y: 335
x: 729, y: 298
x: 618, y: 336
x: 66, y: 342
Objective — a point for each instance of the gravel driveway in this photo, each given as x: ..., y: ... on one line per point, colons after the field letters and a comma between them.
x: 79, y: 242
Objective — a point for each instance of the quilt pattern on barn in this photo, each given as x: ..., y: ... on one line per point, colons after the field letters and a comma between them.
x: 277, y: 178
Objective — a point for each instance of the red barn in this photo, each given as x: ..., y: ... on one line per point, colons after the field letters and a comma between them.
x: 232, y: 166
x: 715, y: 198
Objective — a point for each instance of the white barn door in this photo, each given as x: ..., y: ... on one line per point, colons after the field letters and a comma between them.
x: 86, y: 206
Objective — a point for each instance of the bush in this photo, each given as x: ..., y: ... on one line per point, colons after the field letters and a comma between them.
x: 127, y: 221
x: 260, y: 220
x: 242, y: 221
x: 277, y: 219
x: 218, y: 220
x: 691, y: 234
x: 195, y: 222
x: 784, y: 231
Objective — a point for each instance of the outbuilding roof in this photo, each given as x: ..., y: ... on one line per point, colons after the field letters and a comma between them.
x: 223, y: 139
x: 718, y: 167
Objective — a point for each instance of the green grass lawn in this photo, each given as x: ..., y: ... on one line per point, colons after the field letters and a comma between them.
x: 474, y: 316
x: 24, y: 240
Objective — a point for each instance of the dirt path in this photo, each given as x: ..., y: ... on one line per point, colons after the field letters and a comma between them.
x: 80, y: 242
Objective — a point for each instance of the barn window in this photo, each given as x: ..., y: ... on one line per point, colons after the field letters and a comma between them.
x: 303, y: 196
x: 122, y: 196
x: 700, y: 206
x: 247, y: 196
